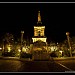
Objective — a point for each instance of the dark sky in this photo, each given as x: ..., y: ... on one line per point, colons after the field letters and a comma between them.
x: 57, y: 19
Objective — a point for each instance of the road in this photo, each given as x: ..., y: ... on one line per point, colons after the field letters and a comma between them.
x: 36, y: 66
x: 10, y: 65
x: 70, y: 64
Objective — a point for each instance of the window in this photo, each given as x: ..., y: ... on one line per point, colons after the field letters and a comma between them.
x: 38, y: 33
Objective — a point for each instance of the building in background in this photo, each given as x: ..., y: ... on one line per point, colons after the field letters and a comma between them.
x: 39, y: 49
x: 39, y: 31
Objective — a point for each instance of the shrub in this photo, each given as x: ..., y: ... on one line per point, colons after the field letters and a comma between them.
x: 26, y: 55
x: 53, y: 54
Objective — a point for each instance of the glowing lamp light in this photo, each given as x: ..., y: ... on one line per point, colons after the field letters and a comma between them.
x: 9, y: 49
x: 22, y: 32
x: 24, y: 49
x: 0, y: 48
x: 52, y: 48
x: 19, y: 50
x: 57, y: 42
x: 60, y: 52
x: 67, y: 33
x: 36, y: 39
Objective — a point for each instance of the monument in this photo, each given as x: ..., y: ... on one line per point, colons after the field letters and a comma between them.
x: 39, y: 50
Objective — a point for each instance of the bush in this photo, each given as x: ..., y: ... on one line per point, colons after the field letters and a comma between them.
x: 67, y: 53
x: 53, y: 54
x: 6, y: 54
x: 11, y: 53
x: 26, y: 55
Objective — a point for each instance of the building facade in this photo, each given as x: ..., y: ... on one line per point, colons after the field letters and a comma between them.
x: 39, y: 31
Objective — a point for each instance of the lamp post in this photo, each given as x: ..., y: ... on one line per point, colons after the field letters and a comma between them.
x: 22, y: 32
x: 68, y: 38
x: 3, y: 47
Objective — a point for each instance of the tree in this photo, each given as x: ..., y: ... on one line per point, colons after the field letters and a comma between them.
x: 65, y: 48
x: 8, y: 41
x: 8, y: 38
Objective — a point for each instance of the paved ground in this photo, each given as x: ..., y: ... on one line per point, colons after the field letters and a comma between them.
x: 68, y: 63
x: 36, y: 66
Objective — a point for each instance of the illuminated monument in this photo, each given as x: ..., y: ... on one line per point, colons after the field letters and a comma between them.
x: 39, y: 50
x: 39, y: 31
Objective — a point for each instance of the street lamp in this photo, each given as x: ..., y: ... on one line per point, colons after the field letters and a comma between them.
x: 3, y: 51
x: 68, y: 38
x: 22, y: 32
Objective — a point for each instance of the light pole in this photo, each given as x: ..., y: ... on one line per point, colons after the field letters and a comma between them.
x: 68, y: 38
x: 3, y: 47
x: 22, y: 32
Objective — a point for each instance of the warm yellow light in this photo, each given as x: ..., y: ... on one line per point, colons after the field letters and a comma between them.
x: 53, y: 48
x: 22, y: 32
x: 24, y: 49
x: 39, y: 27
x: 57, y: 42
x: 0, y: 48
x: 67, y: 33
x: 60, y: 52
x: 9, y: 49
x: 37, y: 39
x: 19, y: 50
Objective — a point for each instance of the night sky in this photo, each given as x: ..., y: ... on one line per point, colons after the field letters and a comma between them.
x: 57, y: 19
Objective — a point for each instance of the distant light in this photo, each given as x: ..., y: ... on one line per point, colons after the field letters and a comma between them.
x: 9, y: 49
x: 36, y: 39
x: 0, y: 48
x: 12, y: 39
x: 39, y: 27
x: 24, y: 49
x: 57, y: 42
x: 19, y: 50
x: 22, y: 32
x: 60, y: 52
x: 67, y: 33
